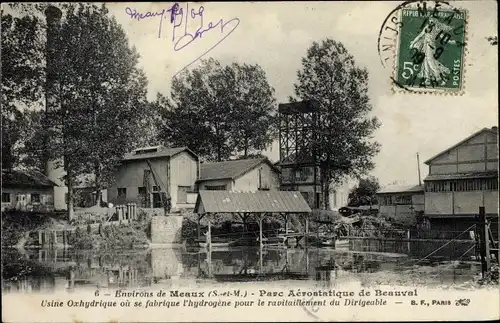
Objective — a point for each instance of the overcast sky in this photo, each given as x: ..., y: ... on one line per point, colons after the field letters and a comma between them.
x: 276, y: 36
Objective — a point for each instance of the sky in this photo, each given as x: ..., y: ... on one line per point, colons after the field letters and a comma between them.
x: 276, y: 36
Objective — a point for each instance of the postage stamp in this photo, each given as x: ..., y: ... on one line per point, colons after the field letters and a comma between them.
x: 431, y: 50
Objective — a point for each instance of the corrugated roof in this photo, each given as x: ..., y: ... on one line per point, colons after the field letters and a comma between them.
x: 401, y: 189
x: 161, y: 151
x: 230, y: 169
x: 25, y: 178
x: 493, y: 130
x: 440, y: 177
x: 252, y: 202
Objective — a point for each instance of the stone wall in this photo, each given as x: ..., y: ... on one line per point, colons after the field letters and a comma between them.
x: 166, y: 229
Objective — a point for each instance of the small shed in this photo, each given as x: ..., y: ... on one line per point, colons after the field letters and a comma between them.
x: 257, y: 204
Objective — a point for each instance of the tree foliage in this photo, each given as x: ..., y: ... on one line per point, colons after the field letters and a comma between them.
x: 219, y: 111
x: 22, y: 79
x: 330, y: 77
x: 364, y: 192
x: 102, y: 99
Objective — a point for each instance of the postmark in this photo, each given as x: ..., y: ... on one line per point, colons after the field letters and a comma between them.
x: 427, y: 43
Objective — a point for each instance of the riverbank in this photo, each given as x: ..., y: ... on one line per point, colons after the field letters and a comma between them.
x: 20, y: 230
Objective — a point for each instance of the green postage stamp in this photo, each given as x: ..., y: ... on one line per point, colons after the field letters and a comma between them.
x: 431, y: 50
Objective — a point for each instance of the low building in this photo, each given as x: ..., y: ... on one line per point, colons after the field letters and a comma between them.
x: 401, y: 203
x: 146, y: 176
x: 461, y: 179
x: 244, y: 175
x: 29, y: 191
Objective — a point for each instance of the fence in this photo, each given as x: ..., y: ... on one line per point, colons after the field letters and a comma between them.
x: 418, y: 243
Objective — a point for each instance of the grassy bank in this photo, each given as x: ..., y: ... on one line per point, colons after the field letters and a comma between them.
x: 19, y: 229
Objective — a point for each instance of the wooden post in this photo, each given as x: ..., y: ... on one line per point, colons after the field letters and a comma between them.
x: 40, y: 239
x: 408, y: 236
x: 484, y: 243
x: 260, y: 232
x: 307, y: 230
x: 261, y: 262
x: 198, y: 233
x: 286, y: 223
x: 209, y: 235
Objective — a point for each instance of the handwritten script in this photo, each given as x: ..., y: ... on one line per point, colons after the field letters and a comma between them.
x: 182, y: 36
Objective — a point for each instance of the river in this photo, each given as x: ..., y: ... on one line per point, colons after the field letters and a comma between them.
x: 66, y: 269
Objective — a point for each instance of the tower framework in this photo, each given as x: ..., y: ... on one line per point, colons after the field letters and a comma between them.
x: 298, y: 135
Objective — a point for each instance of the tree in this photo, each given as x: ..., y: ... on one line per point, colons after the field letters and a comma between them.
x: 364, y: 192
x: 219, y: 111
x: 22, y: 79
x: 344, y: 147
x: 102, y: 94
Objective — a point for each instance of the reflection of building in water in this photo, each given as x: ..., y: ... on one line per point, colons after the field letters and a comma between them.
x: 31, y: 284
x: 250, y: 263
x: 70, y: 270
x: 165, y: 263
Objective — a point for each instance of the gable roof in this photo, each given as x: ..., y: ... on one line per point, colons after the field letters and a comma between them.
x: 401, y: 189
x: 493, y: 130
x: 230, y: 169
x: 25, y: 178
x: 251, y: 202
x: 456, y: 176
x: 156, y: 152
x: 304, y: 158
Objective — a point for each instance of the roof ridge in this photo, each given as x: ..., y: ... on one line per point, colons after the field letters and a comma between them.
x: 458, y: 144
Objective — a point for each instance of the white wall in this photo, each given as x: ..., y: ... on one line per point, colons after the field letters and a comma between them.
x: 339, y: 193
x: 228, y: 182
x: 20, y: 199
x: 249, y: 182
x: 183, y: 170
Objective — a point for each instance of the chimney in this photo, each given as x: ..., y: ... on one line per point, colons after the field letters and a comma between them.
x: 52, y: 86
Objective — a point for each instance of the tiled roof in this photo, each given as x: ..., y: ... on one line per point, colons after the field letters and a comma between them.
x: 156, y: 152
x: 472, y: 175
x: 401, y: 189
x: 25, y: 178
x: 230, y: 169
x: 252, y: 202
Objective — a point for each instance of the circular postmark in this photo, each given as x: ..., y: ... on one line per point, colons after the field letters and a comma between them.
x: 423, y: 42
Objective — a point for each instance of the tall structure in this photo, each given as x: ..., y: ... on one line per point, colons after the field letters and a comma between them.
x: 298, y: 125
x: 54, y: 169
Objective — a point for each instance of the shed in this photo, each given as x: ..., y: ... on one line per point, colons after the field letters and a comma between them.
x: 257, y: 204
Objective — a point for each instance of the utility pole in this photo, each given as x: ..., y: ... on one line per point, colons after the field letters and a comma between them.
x: 418, y: 168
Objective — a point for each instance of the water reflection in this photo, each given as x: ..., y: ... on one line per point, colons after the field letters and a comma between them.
x: 48, y: 270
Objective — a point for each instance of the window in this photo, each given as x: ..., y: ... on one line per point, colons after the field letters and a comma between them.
x: 141, y: 190
x: 156, y: 188
x: 5, y: 197
x: 462, y: 185
x: 35, y: 198
x: 216, y: 188
x: 122, y: 192
x: 403, y: 199
x: 182, y: 193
